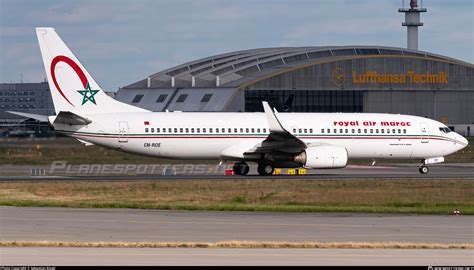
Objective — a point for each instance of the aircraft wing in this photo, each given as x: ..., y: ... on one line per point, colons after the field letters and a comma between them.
x: 279, y: 139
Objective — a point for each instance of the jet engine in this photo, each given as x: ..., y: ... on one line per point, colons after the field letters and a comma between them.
x: 323, y: 157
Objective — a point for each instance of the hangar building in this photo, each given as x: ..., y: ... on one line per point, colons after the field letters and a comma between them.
x: 315, y: 79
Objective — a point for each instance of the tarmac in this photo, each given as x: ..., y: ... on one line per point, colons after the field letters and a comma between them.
x: 131, y: 225
x: 233, y: 257
x: 395, y: 171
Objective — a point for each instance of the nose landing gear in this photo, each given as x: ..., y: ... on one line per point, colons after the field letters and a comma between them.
x: 424, y: 169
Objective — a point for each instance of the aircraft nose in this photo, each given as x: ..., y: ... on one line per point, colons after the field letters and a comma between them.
x: 463, y: 141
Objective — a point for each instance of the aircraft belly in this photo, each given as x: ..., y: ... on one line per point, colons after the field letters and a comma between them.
x: 184, y: 148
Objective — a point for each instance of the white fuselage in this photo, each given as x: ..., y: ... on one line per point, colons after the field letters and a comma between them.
x: 208, y: 135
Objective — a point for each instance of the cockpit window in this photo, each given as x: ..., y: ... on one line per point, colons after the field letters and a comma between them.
x: 444, y: 129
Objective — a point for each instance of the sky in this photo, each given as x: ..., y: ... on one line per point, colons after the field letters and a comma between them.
x: 123, y: 41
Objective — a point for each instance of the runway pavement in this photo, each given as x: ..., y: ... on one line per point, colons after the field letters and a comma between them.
x: 274, y: 257
x: 128, y: 225
x: 395, y: 171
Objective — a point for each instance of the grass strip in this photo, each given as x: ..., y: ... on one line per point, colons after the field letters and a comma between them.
x: 371, y: 196
x: 240, y: 244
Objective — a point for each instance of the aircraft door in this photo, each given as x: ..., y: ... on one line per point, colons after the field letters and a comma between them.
x: 424, y: 133
x: 123, y: 132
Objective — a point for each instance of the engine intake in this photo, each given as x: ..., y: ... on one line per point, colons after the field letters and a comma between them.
x: 323, y: 157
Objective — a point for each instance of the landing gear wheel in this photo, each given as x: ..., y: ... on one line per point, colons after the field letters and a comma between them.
x: 265, y: 168
x: 241, y: 168
x: 424, y: 170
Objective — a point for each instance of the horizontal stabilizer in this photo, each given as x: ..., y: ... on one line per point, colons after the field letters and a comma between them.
x: 38, y: 117
x: 70, y: 118
x: 85, y: 142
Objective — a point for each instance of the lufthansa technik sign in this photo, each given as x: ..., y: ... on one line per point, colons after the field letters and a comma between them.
x: 409, y: 77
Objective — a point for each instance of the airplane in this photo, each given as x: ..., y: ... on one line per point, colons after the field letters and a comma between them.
x: 270, y: 139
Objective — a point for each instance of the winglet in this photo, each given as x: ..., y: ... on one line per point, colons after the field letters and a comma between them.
x: 273, y: 123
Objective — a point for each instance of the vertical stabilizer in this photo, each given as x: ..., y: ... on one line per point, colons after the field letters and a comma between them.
x: 72, y: 88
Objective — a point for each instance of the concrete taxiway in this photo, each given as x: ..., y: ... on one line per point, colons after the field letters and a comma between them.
x: 128, y: 225
x: 396, y: 171
x: 177, y: 256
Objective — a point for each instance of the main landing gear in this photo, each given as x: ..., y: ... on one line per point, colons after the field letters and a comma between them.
x: 265, y: 168
x: 241, y: 168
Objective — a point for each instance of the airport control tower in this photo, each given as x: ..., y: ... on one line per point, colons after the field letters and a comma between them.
x: 412, y: 21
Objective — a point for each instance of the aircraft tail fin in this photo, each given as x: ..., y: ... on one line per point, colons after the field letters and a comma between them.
x: 72, y: 88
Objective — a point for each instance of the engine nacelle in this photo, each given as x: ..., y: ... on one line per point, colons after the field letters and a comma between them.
x: 323, y: 157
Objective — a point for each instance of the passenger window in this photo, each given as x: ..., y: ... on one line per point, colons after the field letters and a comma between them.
x: 371, y: 131
x: 146, y: 130
x: 358, y: 131
x: 235, y: 130
x: 217, y: 130
x: 253, y: 130
x: 223, y: 130
x: 310, y: 130
x: 229, y: 130
x: 393, y: 131
x: 157, y: 130
x: 300, y: 131
x: 335, y: 130
x: 246, y: 130
x: 180, y: 130
x: 258, y: 130
x: 264, y: 130
x: 170, y: 130
x: 365, y: 130
x: 399, y: 131
x: 198, y: 130
x: 388, y: 131
x: 187, y: 130
x: 241, y: 130
x: 347, y: 131
x: 152, y: 130
x: 353, y: 131
x: 210, y: 130
x: 192, y: 130
x: 340, y: 131
x: 204, y: 130
x: 377, y: 131
x: 382, y: 131
x: 175, y: 130
x: 405, y: 131
x: 322, y: 130
x: 329, y: 130
x: 294, y: 130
